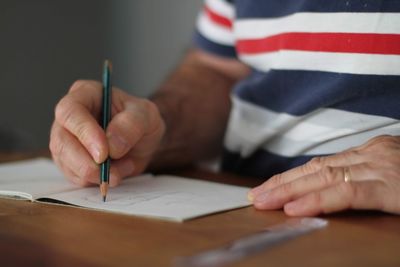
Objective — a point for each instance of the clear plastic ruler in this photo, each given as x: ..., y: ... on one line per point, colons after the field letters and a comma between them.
x: 254, y: 243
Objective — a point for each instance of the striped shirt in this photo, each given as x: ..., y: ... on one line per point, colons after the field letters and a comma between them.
x: 325, y: 77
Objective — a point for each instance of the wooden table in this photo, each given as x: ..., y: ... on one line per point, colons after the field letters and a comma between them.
x: 35, y: 234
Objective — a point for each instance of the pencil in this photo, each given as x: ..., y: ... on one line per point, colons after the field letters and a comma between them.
x: 105, y: 118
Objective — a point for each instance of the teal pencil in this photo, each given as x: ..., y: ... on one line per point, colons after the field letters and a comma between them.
x: 105, y: 118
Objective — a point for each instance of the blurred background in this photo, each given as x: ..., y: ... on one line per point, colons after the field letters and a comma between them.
x: 46, y: 45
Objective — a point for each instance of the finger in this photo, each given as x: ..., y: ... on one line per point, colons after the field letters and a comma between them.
x: 76, y: 112
x: 54, y: 149
x: 70, y: 176
x: 277, y: 197
x: 120, y: 169
x: 89, y: 94
x: 72, y: 157
x: 352, y: 195
x: 349, y: 157
x: 138, y: 120
x: 328, y: 176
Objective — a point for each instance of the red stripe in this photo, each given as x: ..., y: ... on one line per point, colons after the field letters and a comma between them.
x: 324, y: 42
x: 218, y: 19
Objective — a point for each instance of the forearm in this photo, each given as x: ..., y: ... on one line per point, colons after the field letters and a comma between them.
x: 195, y: 104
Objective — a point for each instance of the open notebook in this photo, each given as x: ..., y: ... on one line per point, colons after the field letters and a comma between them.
x: 162, y: 196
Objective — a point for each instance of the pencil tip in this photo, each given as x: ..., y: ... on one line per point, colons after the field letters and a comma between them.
x: 103, y: 190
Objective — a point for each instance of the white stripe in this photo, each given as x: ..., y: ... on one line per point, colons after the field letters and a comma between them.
x: 388, y: 23
x: 214, y: 32
x: 221, y: 7
x: 324, y: 131
x: 334, y: 145
x: 323, y: 61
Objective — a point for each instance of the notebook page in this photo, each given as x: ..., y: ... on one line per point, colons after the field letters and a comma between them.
x: 162, y: 196
x: 32, y: 179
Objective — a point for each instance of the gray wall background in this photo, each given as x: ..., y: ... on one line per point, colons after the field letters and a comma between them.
x: 46, y: 45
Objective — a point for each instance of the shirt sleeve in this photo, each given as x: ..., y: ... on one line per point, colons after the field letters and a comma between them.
x: 214, y: 28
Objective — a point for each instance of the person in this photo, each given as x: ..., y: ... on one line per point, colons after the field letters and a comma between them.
x: 302, y: 92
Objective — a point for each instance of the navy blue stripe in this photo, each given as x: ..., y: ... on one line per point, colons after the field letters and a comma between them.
x: 268, y: 8
x: 214, y: 48
x: 301, y: 92
x: 260, y: 164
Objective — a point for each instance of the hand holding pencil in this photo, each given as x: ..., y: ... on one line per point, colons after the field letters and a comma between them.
x: 78, y: 143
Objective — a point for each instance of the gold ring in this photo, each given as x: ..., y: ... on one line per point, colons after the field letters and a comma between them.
x: 347, y: 176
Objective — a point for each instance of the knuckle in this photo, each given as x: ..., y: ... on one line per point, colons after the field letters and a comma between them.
x: 374, y: 139
x: 386, y: 141
x: 385, y: 152
x: 65, y: 116
x: 286, y: 188
x: 382, y: 142
x: 351, y: 154
x: 277, y: 179
x: 79, y: 84
x: 63, y: 110
x: 386, y: 138
x: 314, y: 165
x: 56, y: 145
x: 76, y: 85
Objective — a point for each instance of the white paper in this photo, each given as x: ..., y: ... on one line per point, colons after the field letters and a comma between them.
x: 162, y: 196
x: 33, y: 178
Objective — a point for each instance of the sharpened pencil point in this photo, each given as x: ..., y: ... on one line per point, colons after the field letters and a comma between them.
x: 103, y: 190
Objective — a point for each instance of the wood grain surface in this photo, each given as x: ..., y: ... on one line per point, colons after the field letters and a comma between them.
x: 37, y: 234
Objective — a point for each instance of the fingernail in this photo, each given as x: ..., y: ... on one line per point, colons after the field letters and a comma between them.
x: 95, y: 152
x: 117, y: 143
x: 250, y: 196
x: 262, y: 197
x: 257, y: 190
